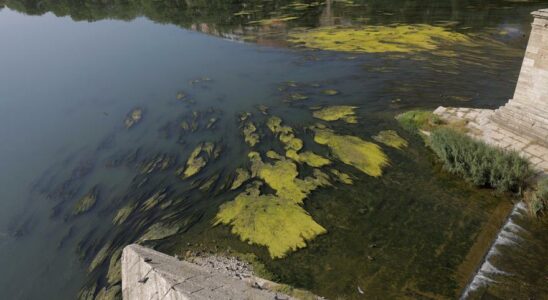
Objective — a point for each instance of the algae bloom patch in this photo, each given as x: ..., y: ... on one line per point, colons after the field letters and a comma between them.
x: 278, y: 223
x: 351, y: 150
x: 378, y: 39
x: 390, y: 138
x: 339, y: 112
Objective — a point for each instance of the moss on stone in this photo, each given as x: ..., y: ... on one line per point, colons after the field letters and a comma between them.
x: 390, y: 138
x: 339, y: 112
x: 351, y: 150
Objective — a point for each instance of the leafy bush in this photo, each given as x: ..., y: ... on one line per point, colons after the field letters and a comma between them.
x: 480, y: 163
x: 415, y: 120
x: 538, y: 202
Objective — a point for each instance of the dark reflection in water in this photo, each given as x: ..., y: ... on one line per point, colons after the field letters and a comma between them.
x: 67, y: 88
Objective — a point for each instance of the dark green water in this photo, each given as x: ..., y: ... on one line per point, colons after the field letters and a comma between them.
x: 72, y: 70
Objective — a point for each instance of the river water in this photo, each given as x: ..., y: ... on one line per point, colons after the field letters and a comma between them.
x: 72, y: 71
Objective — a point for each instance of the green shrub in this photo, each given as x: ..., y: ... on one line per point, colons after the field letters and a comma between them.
x: 478, y: 162
x: 538, y: 202
x: 415, y: 120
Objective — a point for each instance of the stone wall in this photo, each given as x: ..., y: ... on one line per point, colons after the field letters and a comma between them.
x: 527, y: 113
x: 150, y: 275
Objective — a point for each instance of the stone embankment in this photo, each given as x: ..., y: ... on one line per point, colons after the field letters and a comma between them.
x: 521, y: 124
x: 151, y: 275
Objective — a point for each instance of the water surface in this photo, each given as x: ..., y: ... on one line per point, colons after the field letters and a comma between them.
x: 72, y: 71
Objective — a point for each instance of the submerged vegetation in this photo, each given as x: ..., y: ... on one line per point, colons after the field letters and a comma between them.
x: 339, y: 112
x: 365, y: 156
x: 374, y: 39
x: 390, y: 138
x: 479, y: 163
x: 278, y: 223
x: 416, y: 120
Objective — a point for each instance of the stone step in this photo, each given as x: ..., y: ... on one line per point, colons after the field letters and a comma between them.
x: 524, y: 113
x: 521, y: 127
x: 536, y: 107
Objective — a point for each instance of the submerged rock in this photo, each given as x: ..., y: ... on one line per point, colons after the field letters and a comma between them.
x: 340, y: 112
x: 133, y: 117
x: 86, y: 203
x: 351, y: 150
x: 390, y: 138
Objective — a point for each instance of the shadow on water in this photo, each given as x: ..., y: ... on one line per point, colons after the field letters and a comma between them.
x: 414, y: 232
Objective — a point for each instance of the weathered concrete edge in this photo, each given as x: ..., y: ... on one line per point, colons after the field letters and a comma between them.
x: 149, y: 274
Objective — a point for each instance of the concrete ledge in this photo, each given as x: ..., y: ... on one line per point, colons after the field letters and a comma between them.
x: 151, y: 275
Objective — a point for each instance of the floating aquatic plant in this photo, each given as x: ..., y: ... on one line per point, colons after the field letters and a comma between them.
x: 342, y: 177
x: 330, y: 92
x: 351, y: 150
x: 242, y: 175
x: 197, y: 160
x: 278, y: 223
x: 390, y: 138
x: 250, y: 135
x: 282, y: 177
x: 285, y: 134
x: 339, y: 112
x: 310, y: 158
x: 378, y: 39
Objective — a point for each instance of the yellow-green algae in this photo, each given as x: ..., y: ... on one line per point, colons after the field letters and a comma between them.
x: 242, y: 175
x: 250, y: 135
x: 310, y: 158
x: 342, y: 177
x: 195, y: 162
x: 390, y: 138
x: 280, y: 224
x: 284, y: 133
x: 378, y: 39
x: 330, y: 92
x: 351, y: 150
x: 282, y: 177
x: 338, y: 112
